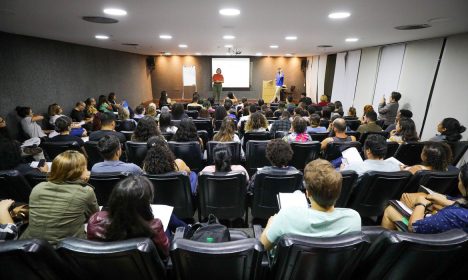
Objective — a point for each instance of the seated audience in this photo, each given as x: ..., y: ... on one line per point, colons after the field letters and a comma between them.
x: 178, y: 112
x: 298, y: 132
x: 103, y: 105
x: 367, y: 108
x: 304, y: 99
x: 160, y: 160
x: 252, y: 109
x: 126, y: 124
x: 323, y: 101
x: 29, y: 122
x: 339, y: 128
x: 283, y: 124
x: 139, y: 112
x: 280, y: 110
x: 369, y: 124
x: 339, y: 108
x: 151, y: 110
x: 405, y: 132
x: 256, y: 123
x: 112, y: 100
x: 110, y: 150
x: 450, y: 130
x: 63, y: 127
x: 227, y: 131
x: 447, y: 212
x: 222, y: 162
x: 78, y: 113
x: 146, y: 128
x: 403, y: 113
x: 55, y: 112
x: 60, y: 207
x: 352, y: 112
x: 388, y: 111
x: 229, y: 109
x: 435, y: 156
x: 315, y: 127
x: 233, y: 98
x: 129, y: 215
x: 322, y: 219
x: 219, y: 115
x: 107, y: 128
x: 194, y: 102
x: 187, y: 132
x: 375, y: 149
x: 11, y: 157
x: 90, y: 109
x: 164, y: 100
x: 289, y: 104
x: 165, y: 124
x: 8, y: 229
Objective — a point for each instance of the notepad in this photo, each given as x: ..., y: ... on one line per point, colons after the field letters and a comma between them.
x: 295, y: 199
x: 162, y: 212
x: 34, y: 164
x: 351, y: 156
x: 395, y: 161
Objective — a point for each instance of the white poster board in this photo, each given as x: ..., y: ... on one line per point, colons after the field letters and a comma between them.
x: 189, y: 75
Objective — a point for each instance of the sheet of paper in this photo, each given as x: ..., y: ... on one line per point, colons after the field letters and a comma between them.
x: 295, y: 199
x: 351, y: 156
x: 85, y: 139
x: 426, y: 190
x: 162, y: 212
x: 34, y: 164
x: 406, y: 208
x: 394, y: 160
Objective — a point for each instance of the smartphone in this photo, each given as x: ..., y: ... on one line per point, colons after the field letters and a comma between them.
x: 41, y: 163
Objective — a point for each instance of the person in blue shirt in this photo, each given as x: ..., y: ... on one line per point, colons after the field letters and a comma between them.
x: 279, y: 81
x: 452, y: 213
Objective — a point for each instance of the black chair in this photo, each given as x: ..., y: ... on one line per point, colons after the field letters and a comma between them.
x: 222, y: 194
x: 371, y: 195
x: 127, y: 125
x: 458, y: 150
x: 104, y: 183
x: 255, y: 155
x: 173, y: 189
x: 189, y: 152
x: 94, y: 156
x: 175, y: 122
x: 409, y: 153
x: 192, y: 113
x: 167, y: 135
x: 266, y: 187
x: 193, y: 108
x: 14, y: 186
x: 319, y: 136
x: 304, y: 153
x: 35, y: 178
x: 204, y: 124
x: 350, y: 118
x: 128, y: 135
x: 444, y: 182
x: 136, y: 152
x: 349, y: 180
x: 353, y: 124
x: 400, y: 255
x: 203, y: 134
x: 364, y: 136
x: 53, y: 149
x: 354, y: 133
x: 239, y: 260
x: 300, y: 257
x: 381, y: 123
x: 334, y: 149
x: 248, y: 136
x: 324, y: 123
x: 392, y: 147
x: 31, y: 259
x: 217, y: 124
x: 280, y: 134
x: 128, y: 259
x: 233, y: 147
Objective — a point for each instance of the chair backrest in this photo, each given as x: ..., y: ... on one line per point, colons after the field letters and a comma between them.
x: 239, y: 259
x: 167, y: 135
x: 204, y: 124
x: 458, y: 150
x: 31, y: 259
x: 300, y: 257
x: 444, y: 182
x: 319, y: 136
x: 217, y: 124
x: 280, y: 134
x: 371, y: 195
x: 53, y: 149
x: 192, y: 113
x: 193, y: 108
x: 233, y: 147
x: 128, y: 259
x: 304, y: 153
x: 189, y: 152
x: 14, y: 186
x: 222, y: 194
x: 128, y: 134
x: 35, y: 178
x: 93, y: 153
x: 126, y: 125
x: 266, y: 187
x: 249, y: 136
x: 255, y: 155
x: 392, y: 147
x: 401, y: 255
x: 410, y: 153
x: 334, y: 149
x: 364, y: 136
x: 173, y: 189
x: 136, y: 152
x: 104, y: 183
x: 203, y: 134
x: 324, y: 123
x: 349, y: 180
x: 353, y: 124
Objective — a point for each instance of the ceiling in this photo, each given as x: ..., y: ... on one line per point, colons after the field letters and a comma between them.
x: 261, y: 23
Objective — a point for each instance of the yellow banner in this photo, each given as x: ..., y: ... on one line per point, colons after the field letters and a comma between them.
x: 268, y: 91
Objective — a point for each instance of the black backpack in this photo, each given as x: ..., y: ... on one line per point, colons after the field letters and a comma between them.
x: 211, y: 231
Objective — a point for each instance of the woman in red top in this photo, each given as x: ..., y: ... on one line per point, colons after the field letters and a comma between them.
x: 218, y: 81
x: 129, y: 215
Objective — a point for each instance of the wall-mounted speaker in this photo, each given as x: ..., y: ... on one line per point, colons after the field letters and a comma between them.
x: 150, y: 63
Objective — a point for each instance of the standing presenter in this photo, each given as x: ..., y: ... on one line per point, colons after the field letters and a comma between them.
x: 218, y: 81
x: 279, y: 80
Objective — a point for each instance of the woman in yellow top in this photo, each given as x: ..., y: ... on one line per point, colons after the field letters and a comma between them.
x: 218, y: 80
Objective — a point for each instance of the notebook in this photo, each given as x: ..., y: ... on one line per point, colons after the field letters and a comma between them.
x: 295, y: 199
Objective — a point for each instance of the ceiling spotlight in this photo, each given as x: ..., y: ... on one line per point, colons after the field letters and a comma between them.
x: 288, y: 54
x: 339, y: 15
x: 274, y: 46
x: 228, y: 46
x: 229, y: 12
x: 183, y: 46
x: 167, y: 53
x: 115, y: 12
x: 259, y: 53
x: 101, y: 37
x: 197, y: 53
x: 228, y: 53
x: 165, y: 36
x: 229, y: 37
x: 352, y: 39
x: 291, y: 38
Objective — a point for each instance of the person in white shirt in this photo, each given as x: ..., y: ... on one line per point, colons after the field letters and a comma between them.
x: 29, y: 122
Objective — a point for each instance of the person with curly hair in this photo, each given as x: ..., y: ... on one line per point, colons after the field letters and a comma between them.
x: 256, y: 123
x: 299, y: 132
x: 405, y: 132
x: 146, y: 128
x: 165, y: 124
x: 450, y: 130
x: 160, y: 159
x: 435, y: 156
x: 187, y: 132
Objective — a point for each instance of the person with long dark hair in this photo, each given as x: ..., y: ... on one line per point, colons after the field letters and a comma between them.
x: 164, y: 100
x: 178, y: 112
x: 405, y: 132
x: 145, y: 129
x: 450, y: 130
x: 165, y: 124
x: 104, y: 105
x: 435, y: 156
x: 187, y: 132
x: 222, y: 162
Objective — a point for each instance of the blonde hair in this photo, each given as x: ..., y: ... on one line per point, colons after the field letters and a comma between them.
x: 67, y: 166
x: 257, y: 120
x: 323, y: 98
x: 226, y: 131
x: 123, y: 114
x: 151, y: 110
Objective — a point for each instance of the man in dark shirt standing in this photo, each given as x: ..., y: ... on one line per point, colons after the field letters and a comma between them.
x: 107, y: 128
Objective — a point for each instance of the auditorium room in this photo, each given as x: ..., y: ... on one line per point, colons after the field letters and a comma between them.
x: 230, y: 139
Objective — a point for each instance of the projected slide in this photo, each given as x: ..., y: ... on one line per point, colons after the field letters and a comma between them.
x: 236, y: 71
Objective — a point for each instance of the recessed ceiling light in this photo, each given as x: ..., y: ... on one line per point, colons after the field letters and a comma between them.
x: 228, y: 46
x: 352, y: 39
x: 274, y: 46
x: 183, y: 46
x: 165, y: 36
x: 259, y: 53
x: 229, y: 37
x: 229, y: 12
x: 228, y: 53
x: 101, y: 37
x: 197, y: 53
x: 290, y: 38
x: 288, y: 54
x: 339, y: 15
x: 167, y: 53
x: 115, y: 12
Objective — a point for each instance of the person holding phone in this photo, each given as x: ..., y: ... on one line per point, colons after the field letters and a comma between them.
x: 388, y: 111
x: 218, y: 80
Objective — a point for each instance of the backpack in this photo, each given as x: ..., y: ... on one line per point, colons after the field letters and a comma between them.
x: 211, y: 231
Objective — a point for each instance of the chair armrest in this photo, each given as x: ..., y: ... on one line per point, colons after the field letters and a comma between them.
x: 257, y: 229
x: 179, y: 233
x: 401, y: 226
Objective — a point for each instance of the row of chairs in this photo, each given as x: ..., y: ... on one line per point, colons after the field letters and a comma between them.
x: 374, y: 253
